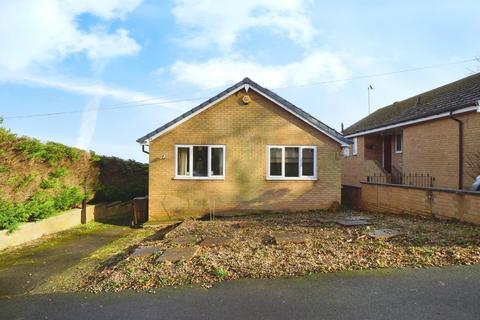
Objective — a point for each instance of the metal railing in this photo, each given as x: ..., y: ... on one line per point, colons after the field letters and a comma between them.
x: 409, y: 179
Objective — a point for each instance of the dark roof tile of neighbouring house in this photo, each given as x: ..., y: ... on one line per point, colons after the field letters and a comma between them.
x: 314, y: 122
x: 453, y: 96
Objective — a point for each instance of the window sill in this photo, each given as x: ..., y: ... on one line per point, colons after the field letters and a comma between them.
x: 398, y: 152
x: 290, y: 179
x: 199, y: 178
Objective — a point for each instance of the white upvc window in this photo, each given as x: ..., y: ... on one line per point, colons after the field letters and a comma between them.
x: 398, y: 143
x: 291, y: 162
x: 200, y: 162
x: 355, y: 147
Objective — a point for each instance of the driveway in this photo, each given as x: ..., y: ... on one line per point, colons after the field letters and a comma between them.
x: 24, y: 269
x: 449, y: 293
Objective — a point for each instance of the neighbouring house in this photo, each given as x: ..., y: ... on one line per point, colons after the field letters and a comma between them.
x: 430, y: 140
x: 245, y: 148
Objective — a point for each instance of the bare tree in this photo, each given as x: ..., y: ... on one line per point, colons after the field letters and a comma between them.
x: 473, y: 164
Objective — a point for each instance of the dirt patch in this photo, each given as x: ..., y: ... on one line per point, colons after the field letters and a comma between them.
x: 253, y: 253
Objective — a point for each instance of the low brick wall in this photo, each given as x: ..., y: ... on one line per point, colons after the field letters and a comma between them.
x: 109, y: 212
x: 438, y: 202
x: 104, y: 212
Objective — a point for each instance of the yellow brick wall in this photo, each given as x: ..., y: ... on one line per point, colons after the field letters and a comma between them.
x: 429, y: 147
x: 432, y: 147
x: 437, y: 203
x: 246, y: 130
x: 353, y: 166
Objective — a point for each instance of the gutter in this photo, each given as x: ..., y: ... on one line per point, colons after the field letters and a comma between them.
x: 460, y: 150
x: 144, y: 150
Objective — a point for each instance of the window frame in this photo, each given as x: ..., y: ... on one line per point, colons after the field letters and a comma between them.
x: 396, y: 143
x: 355, y: 147
x: 209, y: 162
x: 300, y: 162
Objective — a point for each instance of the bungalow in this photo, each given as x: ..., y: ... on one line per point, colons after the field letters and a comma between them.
x: 431, y: 140
x: 245, y: 148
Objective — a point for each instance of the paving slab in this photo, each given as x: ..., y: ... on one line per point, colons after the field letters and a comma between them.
x: 215, y: 241
x: 185, y: 240
x: 352, y: 223
x: 289, y: 237
x: 384, y: 233
x: 358, y: 218
x: 145, y: 251
x: 177, y: 254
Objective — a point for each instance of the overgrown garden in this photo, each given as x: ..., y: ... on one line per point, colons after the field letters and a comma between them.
x: 39, y: 180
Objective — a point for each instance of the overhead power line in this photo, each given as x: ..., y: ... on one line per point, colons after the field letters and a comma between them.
x: 102, y: 108
x: 151, y: 101
x: 375, y: 75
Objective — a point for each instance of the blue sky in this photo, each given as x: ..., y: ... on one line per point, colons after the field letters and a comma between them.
x: 125, y: 67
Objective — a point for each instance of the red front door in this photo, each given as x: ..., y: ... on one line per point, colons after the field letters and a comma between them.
x: 387, y: 153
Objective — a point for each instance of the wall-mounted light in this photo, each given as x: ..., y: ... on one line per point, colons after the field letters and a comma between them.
x: 246, y: 99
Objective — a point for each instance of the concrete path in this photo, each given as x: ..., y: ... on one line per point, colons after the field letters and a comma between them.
x: 24, y: 269
x: 450, y: 293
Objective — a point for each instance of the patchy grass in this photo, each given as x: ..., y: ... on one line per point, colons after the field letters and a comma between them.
x: 252, y: 253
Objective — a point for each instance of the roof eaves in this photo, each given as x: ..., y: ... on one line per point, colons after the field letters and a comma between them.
x: 423, y: 116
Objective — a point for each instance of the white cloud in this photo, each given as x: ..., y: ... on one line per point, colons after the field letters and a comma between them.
x: 88, y: 124
x: 87, y: 87
x: 35, y: 33
x: 316, y: 66
x: 221, y: 22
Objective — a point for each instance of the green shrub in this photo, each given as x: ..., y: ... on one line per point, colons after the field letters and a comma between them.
x: 18, y: 183
x: 51, y: 152
x: 48, y: 183
x: 58, y: 173
x: 220, y: 272
x: 52, y: 180
x: 6, y: 136
x: 4, y: 169
x: 94, y: 157
x: 68, y: 198
x: 12, y: 180
x: 10, y: 218
x: 25, y: 181
x: 39, y: 206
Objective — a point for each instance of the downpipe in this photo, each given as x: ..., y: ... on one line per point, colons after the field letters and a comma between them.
x: 460, y: 150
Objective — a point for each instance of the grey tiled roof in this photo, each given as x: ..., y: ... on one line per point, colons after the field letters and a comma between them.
x: 294, y: 109
x: 456, y: 95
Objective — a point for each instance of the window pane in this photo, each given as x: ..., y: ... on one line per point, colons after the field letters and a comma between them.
x: 183, y: 161
x: 399, y: 143
x: 217, y: 161
x: 275, y: 161
x: 200, y: 158
x: 307, y: 162
x: 291, y: 162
